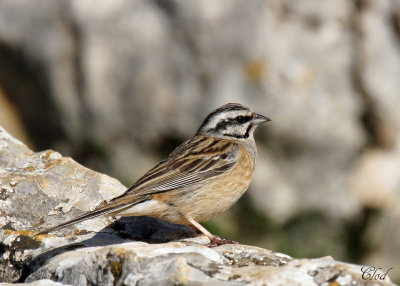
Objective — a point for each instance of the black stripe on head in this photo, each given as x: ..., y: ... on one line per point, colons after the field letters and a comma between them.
x: 224, y: 108
x: 240, y: 119
x: 231, y: 106
x: 243, y: 119
x: 223, y: 124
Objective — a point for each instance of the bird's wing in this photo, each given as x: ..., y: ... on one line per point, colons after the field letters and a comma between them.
x: 194, y: 161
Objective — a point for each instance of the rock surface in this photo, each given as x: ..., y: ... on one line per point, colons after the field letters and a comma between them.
x: 45, y: 188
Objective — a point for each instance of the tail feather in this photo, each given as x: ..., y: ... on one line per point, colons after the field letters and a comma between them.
x: 107, y: 209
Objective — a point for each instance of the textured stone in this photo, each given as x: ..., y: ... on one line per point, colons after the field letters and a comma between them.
x: 44, y: 282
x: 37, y: 186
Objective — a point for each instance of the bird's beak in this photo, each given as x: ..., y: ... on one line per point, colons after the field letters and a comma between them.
x: 258, y: 119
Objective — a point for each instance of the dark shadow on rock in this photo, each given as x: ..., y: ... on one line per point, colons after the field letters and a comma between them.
x: 124, y: 230
x: 150, y: 230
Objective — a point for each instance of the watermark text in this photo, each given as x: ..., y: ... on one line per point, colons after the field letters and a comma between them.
x: 371, y: 273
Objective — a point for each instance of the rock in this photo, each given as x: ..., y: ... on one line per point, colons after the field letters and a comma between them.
x: 45, y: 188
x: 37, y: 186
x: 44, y: 282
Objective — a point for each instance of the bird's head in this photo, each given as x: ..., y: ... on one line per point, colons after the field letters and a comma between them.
x: 231, y: 121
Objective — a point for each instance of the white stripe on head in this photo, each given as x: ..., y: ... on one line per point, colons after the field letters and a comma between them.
x: 224, y: 115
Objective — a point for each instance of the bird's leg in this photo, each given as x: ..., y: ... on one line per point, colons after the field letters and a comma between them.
x: 215, y: 240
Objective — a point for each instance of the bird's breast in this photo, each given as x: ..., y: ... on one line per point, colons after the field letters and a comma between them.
x: 219, y: 193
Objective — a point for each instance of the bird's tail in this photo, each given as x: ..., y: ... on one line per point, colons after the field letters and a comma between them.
x: 113, y: 207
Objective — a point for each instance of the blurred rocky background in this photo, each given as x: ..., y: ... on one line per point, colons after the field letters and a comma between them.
x: 118, y: 84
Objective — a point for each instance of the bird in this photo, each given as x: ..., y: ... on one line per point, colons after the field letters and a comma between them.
x: 199, y: 180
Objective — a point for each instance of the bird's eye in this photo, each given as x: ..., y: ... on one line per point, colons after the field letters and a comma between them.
x: 241, y: 119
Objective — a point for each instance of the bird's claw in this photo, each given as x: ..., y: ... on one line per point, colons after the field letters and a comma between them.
x: 215, y: 240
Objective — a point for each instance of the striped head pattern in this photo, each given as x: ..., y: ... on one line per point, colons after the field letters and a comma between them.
x: 231, y: 121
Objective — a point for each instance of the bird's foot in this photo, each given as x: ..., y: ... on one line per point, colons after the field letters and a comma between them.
x: 215, y: 240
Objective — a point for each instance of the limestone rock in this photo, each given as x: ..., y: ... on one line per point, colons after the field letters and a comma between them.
x: 44, y: 282
x: 36, y: 187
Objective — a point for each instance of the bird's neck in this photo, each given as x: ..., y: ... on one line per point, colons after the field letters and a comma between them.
x: 250, y: 146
